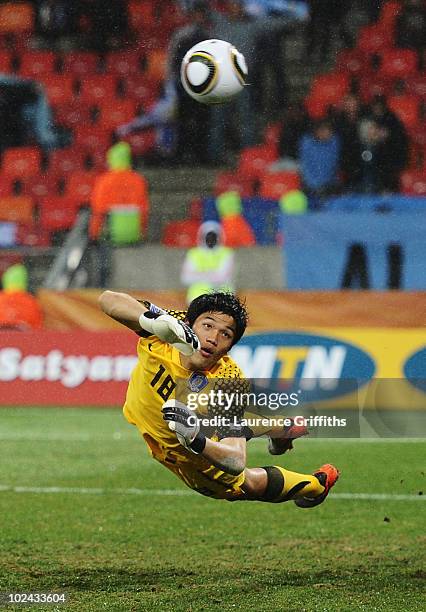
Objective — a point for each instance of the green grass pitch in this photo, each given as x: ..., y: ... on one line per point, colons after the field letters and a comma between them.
x: 86, y: 511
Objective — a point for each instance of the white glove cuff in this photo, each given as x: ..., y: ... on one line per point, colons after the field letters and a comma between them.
x: 146, y: 322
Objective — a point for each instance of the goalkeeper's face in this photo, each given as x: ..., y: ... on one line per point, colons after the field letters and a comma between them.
x: 216, y: 332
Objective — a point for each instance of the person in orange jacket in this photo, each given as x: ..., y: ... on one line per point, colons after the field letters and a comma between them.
x: 19, y: 309
x: 120, y: 186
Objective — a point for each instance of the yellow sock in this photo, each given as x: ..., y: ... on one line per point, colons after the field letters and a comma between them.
x: 284, y: 485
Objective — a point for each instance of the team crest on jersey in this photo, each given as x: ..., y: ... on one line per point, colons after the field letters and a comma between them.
x: 197, y: 381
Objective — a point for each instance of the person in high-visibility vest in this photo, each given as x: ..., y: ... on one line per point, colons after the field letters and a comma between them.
x: 210, y: 265
x: 118, y: 189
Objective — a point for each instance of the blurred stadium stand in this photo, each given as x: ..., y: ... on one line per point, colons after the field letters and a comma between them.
x: 92, y: 92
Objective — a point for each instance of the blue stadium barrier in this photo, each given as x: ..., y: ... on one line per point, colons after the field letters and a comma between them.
x: 318, y: 247
x: 380, y: 203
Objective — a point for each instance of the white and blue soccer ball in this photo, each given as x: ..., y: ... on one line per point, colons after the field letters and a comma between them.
x: 213, y: 72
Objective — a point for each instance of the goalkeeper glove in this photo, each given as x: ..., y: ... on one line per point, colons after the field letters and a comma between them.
x: 170, y: 330
x: 184, y: 423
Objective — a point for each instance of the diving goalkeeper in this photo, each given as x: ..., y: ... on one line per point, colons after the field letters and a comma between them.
x: 189, y: 350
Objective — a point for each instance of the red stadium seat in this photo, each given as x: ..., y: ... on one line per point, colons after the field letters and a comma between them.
x: 10, y: 185
x: 73, y: 114
x: 413, y: 182
x: 59, y: 88
x: 79, y: 186
x: 5, y: 61
x: 157, y: 64
x: 407, y: 108
x: 373, y: 39
x: 95, y: 160
x: 94, y: 89
x: 17, y: 208
x: 171, y: 19
x: 143, y: 89
x: 66, y: 161
x: 230, y: 181
x: 181, y: 234
x: 58, y: 212
x: 123, y: 63
x: 39, y: 187
x: 352, y: 61
x: 272, y: 134
x: 32, y: 236
x: 141, y: 14
x: 388, y: 14
x: 418, y: 146
x: 330, y: 87
x: 116, y: 113
x: 417, y: 85
x: 254, y: 161
x: 371, y: 86
x: 16, y: 17
x: 316, y: 107
x: 18, y: 41
x: 80, y: 63
x: 276, y: 184
x: 21, y: 161
x: 327, y: 90
x: 33, y: 64
x: 398, y: 63
x: 91, y: 138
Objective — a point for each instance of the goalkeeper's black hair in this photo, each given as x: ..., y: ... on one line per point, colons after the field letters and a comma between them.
x: 220, y: 301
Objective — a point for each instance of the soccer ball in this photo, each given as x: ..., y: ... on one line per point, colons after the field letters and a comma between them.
x: 213, y: 72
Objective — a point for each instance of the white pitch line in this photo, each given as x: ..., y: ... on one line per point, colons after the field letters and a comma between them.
x: 183, y: 492
x: 379, y: 496
x: 119, y: 437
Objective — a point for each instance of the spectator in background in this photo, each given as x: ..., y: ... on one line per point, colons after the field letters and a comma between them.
x: 237, y: 27
x: 176, y: 111
x: 160, y: 117
x: 108, y: 23
x: 410, y: 26
x: 56, y: 19
x: 395, y: 140
x: 374, y: 160
x: 240, y: 30
x: 346, y: 120
x: 191, y: 116
x: 210, y: 265
x: 295, y: 122
x: 119, y: 190
x: 319, y: 156
x: 25, y: 114
x: 19, y: 309
x: 326, y: 22
x: 270, y: 60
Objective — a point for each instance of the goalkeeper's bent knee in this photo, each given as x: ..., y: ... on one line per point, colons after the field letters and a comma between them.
x: 284, y: 485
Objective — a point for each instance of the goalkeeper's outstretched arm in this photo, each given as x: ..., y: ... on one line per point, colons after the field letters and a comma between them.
x: 122, y: 308
x: 134, y: 315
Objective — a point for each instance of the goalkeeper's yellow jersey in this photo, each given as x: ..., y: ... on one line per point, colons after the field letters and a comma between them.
x: 159, y: 376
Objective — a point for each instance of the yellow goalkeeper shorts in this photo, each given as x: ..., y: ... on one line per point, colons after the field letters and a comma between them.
x: 196, y: 472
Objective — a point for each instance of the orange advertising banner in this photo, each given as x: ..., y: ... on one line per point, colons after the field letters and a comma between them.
x: 268, y: 309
